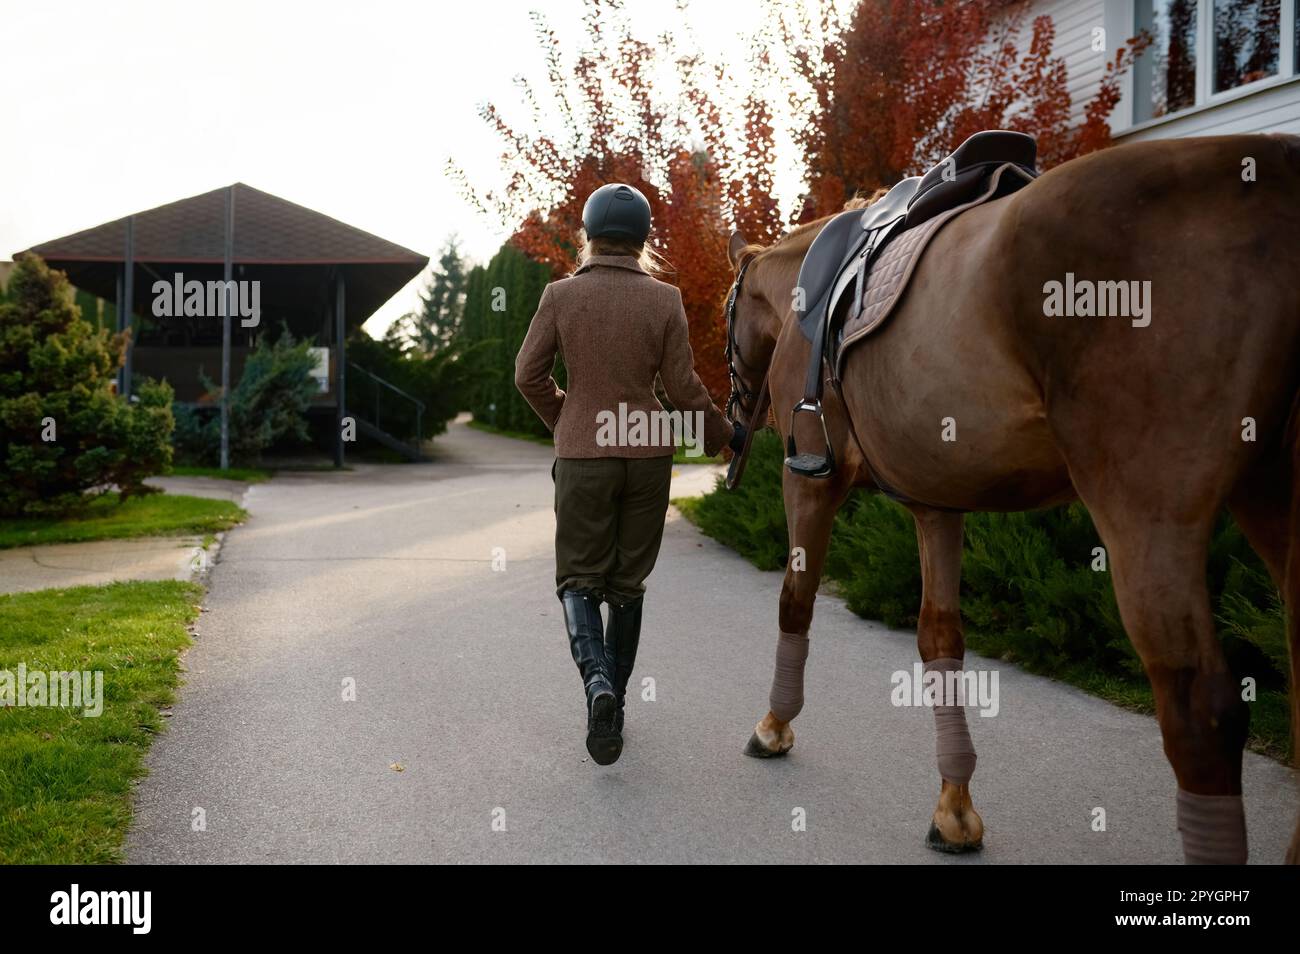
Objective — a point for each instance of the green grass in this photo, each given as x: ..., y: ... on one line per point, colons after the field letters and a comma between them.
x: 105, y: 518
x: 65, y: 777
x: 679, y: 457
x: 689, y: 506
x: 308, y: 469
x: 248, y: 475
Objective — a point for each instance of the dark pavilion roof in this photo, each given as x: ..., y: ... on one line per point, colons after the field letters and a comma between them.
x: 268, y: 232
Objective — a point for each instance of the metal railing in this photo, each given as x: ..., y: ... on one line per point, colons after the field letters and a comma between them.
x: 380, y: 385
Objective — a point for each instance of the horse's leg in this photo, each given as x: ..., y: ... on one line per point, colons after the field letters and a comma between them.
x: 1260, y: 504
x: 1264, y: 505
x: 1158, y: 571
x: 955, y: 825
x: 1267, y: 508
x: 810, y: 507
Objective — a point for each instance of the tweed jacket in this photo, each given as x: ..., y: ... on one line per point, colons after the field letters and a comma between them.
x: 617, y: 328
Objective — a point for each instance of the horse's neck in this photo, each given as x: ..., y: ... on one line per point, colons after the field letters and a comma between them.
x: 779, y: 288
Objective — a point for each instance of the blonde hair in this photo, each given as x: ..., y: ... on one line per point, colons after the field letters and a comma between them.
x: 646, y: 256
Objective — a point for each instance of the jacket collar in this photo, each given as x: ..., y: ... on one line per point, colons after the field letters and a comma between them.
x: 611, y: 261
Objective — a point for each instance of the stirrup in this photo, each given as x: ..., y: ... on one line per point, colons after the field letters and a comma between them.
x: 809, y: 465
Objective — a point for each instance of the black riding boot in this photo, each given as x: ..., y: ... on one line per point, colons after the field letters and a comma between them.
x: 586, y: 642
x: 621, y: 640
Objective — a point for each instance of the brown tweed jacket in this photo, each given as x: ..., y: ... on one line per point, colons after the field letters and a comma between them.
x: 616, y: 328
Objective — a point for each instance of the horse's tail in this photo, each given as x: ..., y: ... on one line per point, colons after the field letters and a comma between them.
x: 1291, y: 600
x: 1291, y: 582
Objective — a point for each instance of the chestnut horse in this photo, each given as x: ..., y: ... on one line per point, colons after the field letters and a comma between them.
x: 972, y: 397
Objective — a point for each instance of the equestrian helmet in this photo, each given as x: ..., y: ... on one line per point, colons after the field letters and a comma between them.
x: 617, y: 211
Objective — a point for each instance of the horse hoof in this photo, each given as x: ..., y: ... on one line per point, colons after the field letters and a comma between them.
x: 755, y: 749
x: 935, y: 841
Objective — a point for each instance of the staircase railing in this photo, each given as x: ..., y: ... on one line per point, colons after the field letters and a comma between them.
x: 380, y: 386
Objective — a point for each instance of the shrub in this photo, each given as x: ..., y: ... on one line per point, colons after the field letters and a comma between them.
x: 439, y: 379
x: 745, y: 519
x: 57, y: 380
x: 500, y: 300
x: 269, y: 404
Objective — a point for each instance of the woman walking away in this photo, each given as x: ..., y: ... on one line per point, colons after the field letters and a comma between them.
x: 617, y: 328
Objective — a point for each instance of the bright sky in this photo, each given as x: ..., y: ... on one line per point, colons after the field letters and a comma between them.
x: 350, y: 108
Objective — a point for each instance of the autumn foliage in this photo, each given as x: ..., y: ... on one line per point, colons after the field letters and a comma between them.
x: 616, y: 126
x: 901, y: 83
x: 865, y: 98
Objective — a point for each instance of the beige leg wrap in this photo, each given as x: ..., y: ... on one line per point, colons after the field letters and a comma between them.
x: 952, y: 738
x: 1213, y: 829
x: 787, y: 681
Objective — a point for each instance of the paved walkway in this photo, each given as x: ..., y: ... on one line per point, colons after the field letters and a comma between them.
x: 464, y: 740
x: 97, y: 562
x: 23, y: 569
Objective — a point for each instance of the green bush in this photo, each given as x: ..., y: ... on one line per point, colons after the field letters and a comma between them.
x: 745, y: 519
x: 268, y: 405
x: 439, y: 379
x: 500, y: 300
x: 57, y: 381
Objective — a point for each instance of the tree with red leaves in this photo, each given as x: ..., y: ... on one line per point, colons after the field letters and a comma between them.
x: 886, y: 92
x: 617, y: 127
x: 892, y: 89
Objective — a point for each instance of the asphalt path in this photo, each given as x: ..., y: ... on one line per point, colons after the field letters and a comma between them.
x: 464, y: 742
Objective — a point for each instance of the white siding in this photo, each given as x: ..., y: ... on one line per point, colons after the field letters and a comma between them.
x: 1075, y: 21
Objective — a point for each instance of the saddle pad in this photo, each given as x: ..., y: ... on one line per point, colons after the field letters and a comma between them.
x: 893, y: 268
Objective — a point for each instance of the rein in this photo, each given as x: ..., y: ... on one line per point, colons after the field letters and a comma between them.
x: 739, y: 392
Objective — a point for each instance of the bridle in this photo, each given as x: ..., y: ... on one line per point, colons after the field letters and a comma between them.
x: 740, y: 393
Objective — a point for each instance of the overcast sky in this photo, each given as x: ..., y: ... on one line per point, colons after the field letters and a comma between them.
x: 349, y: 108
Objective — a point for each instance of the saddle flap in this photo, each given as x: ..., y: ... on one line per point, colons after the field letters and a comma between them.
x: 833, y: 252
x: 821, y: 263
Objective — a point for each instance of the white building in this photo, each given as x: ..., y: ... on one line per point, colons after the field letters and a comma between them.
x: 1216, y: 66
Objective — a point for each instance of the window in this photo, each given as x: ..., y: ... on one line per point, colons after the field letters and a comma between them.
x: 1246, y: 41
x: 1166, y: 76
x: 1204, y: 49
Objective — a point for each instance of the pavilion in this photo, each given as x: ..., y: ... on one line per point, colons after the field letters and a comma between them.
x: 317, y: 276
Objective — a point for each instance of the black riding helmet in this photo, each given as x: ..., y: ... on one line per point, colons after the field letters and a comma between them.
x: 617, y: 211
